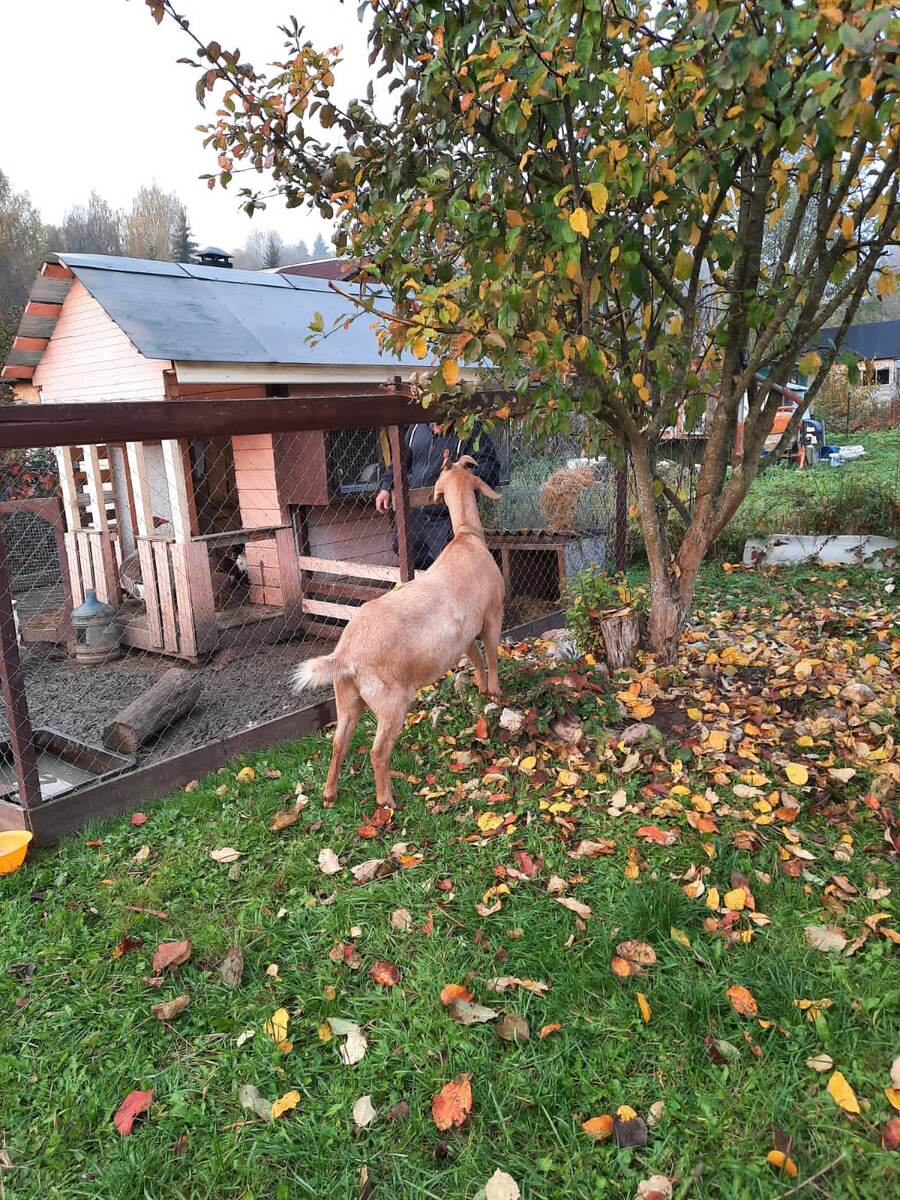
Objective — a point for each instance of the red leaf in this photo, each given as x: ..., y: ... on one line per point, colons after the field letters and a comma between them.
x: 138, y: 818
x: 481, y: 729
x: 453, y: 1103
x: 384, y: 973
x: 528, y: 865
x: 126, y: 944
x: 662, y: 837
x: 132, y: 1106
x: 171, y: 954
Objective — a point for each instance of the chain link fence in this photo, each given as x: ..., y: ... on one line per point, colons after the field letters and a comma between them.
x: 234, y: 557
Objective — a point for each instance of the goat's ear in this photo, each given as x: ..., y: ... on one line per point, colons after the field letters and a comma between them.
x: 486, y: 489
x: 467, y: 461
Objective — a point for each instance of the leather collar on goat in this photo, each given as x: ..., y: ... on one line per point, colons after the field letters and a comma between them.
x: 469, y: 529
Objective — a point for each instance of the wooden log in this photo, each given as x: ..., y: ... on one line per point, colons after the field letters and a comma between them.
x: 173, y: 695
x: 621, y: 636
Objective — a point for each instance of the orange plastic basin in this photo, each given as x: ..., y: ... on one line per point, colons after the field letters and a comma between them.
x: 13, y: 847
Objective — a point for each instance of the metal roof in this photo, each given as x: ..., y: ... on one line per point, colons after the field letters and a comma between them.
x: 877, y: 339
x: 194, y: 313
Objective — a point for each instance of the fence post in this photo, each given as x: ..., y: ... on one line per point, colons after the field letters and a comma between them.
x: 401, y: 504
x: 13, y: 687
x: 621, y: 515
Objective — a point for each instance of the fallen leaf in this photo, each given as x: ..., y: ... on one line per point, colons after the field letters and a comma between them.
x: 573, y: 905
x: 895, y: 1072
x: 592, y: 849
x: 170, y: 1008
x: 512, y: 1028
x: 366, y: 871
x: 132, y: 1106
x: 842, y: 1093
x: 631, y: 1130
x: 231, y: 968
x: 249, y: 1097
x: 126, y: 944
x: 797, y: 774
x: 639, y: 954
x: 171, y: 954
x: 657, y: 1187
x: 820, y: 1062
x: 245, y: 775
x: 643, y: 1006
x: 363, y: 1112
x: 384, y: 973
x: 354, y: 1048
x: 464, y: 1013
x: 546, y: 1030
x: 284, y: 1104
x: 398, y: 1111
x: 454, y: 991
x: 142, y: 855
x: 244, y: 1037
x: 277, y: 1026
x: 329, y: 863
x: 892, y: 1095
x: 527, y: 764
x: 662, y: 837
x: 655, y: 1112
x: 284, y: 819
x: 780, y: 1160
x: 599, y: 1128
x: 735, y: 900
x: 453, y: 1103
x: 139, y: 818
x: 401, y: 919
x: 742, y: 1001
x: 504, y: 982
x: 501, y: 1186
x: 823, y: 937
x: 890, y: 1135
x: 226, y: 855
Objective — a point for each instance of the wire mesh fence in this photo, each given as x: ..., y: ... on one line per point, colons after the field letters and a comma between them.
x: 234, y: 557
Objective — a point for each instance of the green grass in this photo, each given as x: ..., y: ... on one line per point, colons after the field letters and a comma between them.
x: 861, y: 497
x: 84, y: 1036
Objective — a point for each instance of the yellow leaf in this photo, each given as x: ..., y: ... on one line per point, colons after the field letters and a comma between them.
x: 735, y: 900
x: 579, y: 221
x: 625, y: 1112
x: 613, y: 254
x: 567, y: 779
x: 277, y: 1027
x: 324, y: 1032
x: 450, y: 371
x: 245, y: 775
x: 847, y: 228
x: 842, y: 1093
x: 712, y: 898
x: 893, y: 1097
x: 809, y: 363
x: 797, y: 773
x: 779, y: 1159
x: 288, y: 1101
x: 680, y: 936
x: 487, y: 822
x: 528, y: 763
x: 419, y: 347
x: 645, y: 1008
x: 599, y: 196
x: 717, y: 740
x: 886, y: 285
x: 866, y: 86
x: 684, y: 264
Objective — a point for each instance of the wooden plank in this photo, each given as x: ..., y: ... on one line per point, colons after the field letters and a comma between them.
x: 54, y: 818
x: 101, y: 583
x: 422, y: 497
x: 187, y: 636
x: 166, y: 594
x: 401, y: 503
x: 324, y: 608
x: 36, y: 327
x: 24, y: 358
x: 195, y: 557
x: 151, y: 595
x: 176, y: 481
x: 357, y: 570
x: 50, y: 291
x: 86, y: 561
x: 12, y: 685
x: 289, y: 574
x: 67, y: 486
x: 74, y: 572
x: 140, y: 487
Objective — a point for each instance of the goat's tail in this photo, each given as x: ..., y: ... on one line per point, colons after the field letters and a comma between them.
x: 316, y: 672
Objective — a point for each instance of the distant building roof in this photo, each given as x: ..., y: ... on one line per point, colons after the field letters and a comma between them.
x: 215, y: 252
x: 187, y: 312
x: 320, y: 268
x: 877, y: 339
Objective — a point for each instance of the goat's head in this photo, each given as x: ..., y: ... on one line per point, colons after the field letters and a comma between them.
x: 459, y: 476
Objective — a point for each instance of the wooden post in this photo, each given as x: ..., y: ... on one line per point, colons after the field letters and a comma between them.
x: 178, y: 491
x: 401, y: 503
x: 13, y: 686
x: 95, y: 486
x: 140, y: 488
x: 67, y: 487
x: 289, y: 576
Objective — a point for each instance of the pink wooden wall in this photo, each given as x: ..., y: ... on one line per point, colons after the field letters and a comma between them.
x: 90, y: 358
x: 254, y: 471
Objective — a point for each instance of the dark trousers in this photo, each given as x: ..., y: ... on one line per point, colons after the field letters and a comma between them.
x: 430, y: 533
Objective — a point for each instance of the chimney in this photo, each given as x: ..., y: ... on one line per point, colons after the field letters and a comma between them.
x: 212, y: 256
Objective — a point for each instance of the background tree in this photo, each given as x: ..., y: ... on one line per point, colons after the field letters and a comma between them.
x: 23, y: 238
x: 92, y: 228
x: 273, y: 249
x: 183, y: 245
x: 321, y: 249
x: 296, y: 253
x: 152, y: 224
x: 582, y: 192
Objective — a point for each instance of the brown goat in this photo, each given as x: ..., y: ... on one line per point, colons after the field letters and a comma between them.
x: 411, y: 636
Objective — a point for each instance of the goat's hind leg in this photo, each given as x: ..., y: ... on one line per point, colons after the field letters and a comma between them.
x: 490, y: 636
x: 390, y: 709
x: 349, y: 705
x: 478, y: 663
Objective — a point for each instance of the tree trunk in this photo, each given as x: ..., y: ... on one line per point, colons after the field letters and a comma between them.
x: 670, y: 603
x: 173, y: 695
x: 622, y: 638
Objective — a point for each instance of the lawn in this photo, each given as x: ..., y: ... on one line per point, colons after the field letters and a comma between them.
x: 758, y: 810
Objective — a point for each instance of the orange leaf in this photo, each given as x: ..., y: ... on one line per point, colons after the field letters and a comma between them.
x: 742, y: 1001
x: 621, y: 967
x: 454, y: 991
x: 662, y: 837
x: 453, y: 1103
x: 384, y: 973
x: 842, y: 1093
x: 546, y: 1030
x: 599, y: 1128
x: 171, y: 954
x: 133, y: 1104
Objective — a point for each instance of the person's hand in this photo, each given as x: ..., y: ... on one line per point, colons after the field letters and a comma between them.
x: 383, y: 501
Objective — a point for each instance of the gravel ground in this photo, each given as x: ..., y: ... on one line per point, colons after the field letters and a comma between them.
x: 239, y: 689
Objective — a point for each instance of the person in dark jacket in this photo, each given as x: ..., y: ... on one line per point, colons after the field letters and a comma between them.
x: 425, y: 445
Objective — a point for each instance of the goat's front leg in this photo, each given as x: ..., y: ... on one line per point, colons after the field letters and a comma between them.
x: 391, y: 711
x: 478, y: 663
x: 349, y: 709
x: 490, y: 636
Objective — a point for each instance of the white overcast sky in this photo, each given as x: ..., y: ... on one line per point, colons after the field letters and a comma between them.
x: 92, y: 98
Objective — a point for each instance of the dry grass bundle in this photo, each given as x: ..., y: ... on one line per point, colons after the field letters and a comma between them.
x: 560, y: 495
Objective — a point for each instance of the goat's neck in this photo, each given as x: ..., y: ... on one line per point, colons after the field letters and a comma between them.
x: 463, y: 509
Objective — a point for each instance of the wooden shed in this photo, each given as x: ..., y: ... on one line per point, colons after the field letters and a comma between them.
x: 107, y: 330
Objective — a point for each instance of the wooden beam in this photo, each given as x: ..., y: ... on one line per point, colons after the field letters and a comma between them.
x: 12, y: 685
x: 357, y: 570
x: 140, y: 487
x: 325, y: 608
x: 401, y: 503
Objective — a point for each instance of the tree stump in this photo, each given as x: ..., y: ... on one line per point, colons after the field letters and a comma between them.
x: 621, y: 635
x: 173, y: 695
